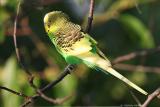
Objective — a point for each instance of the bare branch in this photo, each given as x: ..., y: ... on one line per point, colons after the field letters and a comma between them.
x: 14, y: 32
x: 135, y: 54
x: 116, y: 8
x: 66, y: 71
x: 139, y: 68
x: 51, y: 100
x: 31, y: 78
x: 90, y: 16
x: 135, y: 97
x: 155, y: 94
x: 30, y: 100
x: 14, y: 92
x: 15, y: 42
x: 54, y: 101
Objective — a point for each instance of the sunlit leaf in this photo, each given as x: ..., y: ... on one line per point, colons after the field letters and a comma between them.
x: 9, y: 79
x: 137, y: 31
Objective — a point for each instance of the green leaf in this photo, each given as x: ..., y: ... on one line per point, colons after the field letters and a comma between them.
x: 137, y: 31
x: 9, y: 79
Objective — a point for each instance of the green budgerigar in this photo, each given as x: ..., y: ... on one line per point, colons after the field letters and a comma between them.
x: 78, y: 47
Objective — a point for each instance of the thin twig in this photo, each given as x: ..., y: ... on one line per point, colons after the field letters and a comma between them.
x: 139, y: 68
x: 30, y: 100
x: 42, y: 95
x: 14, y: 92
x: 135, y: 97
x: 137, y: 7
x: 90, y: 16
x: 135, y: 54
x: 66, y: 71
x: 15, y: 42
x: 54, y: 101
x: 14, y: 32
x: 155, y: 94
x: 20, y: 60
x: 17, y: 49
x: 116, y: 8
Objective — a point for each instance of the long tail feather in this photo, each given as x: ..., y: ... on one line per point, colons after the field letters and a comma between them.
x: 121, y: 77
x: 96, y: 61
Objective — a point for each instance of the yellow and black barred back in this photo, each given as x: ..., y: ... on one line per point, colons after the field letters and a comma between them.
x: 66, y: 41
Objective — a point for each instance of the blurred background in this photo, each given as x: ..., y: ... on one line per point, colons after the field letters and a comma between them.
x: 119, y: 26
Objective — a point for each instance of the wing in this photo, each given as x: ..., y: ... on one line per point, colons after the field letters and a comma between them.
x: 91, y: 39
x: 98, y: 51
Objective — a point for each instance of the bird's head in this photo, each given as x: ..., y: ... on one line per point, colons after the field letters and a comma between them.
x: 55, y: 20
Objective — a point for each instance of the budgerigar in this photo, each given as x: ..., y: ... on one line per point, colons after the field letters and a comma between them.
x: 78, y: 47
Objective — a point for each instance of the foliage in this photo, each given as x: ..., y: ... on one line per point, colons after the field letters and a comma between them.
x: 126, y: 31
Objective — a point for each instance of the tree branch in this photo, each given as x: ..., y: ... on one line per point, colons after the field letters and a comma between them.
x: 116, y: 8
x: 139, y: 68
x: 134, y: 97
x: 14, y: 92
x: 15, y: 42
x: 90, y: 17
x: 66, y: 71
x: 135, y: 54
x: 155, y: 94
x: 54, y: 101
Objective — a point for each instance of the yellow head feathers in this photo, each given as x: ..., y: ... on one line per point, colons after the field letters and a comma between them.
x: 55, y: 20
x: 57, y: 23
